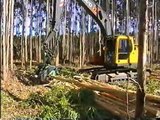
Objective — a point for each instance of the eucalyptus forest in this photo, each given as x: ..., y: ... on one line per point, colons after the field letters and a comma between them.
x: 80, y: 59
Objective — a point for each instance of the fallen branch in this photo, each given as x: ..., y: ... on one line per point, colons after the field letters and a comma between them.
x: 114, y: 90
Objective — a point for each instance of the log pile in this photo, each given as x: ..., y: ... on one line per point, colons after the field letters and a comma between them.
x: 116, y: 100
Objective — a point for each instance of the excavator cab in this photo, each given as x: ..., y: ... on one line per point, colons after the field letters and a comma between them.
x: 120, y: 51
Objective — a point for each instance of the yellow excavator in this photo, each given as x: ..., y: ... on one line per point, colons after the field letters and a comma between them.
x: 120, y: 56
x: 120, y: 53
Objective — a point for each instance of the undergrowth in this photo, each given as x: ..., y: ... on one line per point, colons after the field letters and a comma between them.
x: 152, y: 87
x: 64, y: 103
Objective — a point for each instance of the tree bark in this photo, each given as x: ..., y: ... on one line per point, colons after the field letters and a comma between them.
x: 142, y: 37
x: 83, y: 36
x: 127, y: 17
x: 48, y: 11
x: 64, y: 34
x: 26, y: 45
x: 31, y: 41
x: 4, y: 38
x: 80, y: 45
x: 7, y: 34
x: 58, y: 48
x: 1, y: 41
x: 39, y: 35
x: 12, y: 33
x: 22, y: 37
x: 113, y: 17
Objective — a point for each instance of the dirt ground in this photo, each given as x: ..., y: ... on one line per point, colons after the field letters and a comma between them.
x: 13, y: 92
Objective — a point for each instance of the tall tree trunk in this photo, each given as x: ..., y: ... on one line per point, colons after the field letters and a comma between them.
x: 1, y: 41
x: 58, y: 48
x: 31, y: 41
x: 22, y: 37
x: 64, y: 33
x: 67, y: 44
x: 83, y: 37
x: 36, y: 48
x: 127, y: 17
x: 152, y: 40
x: 80, y: 45
x: 71, y: 47
x: 25, y: 40
x: 142, y: 37
x: 156, y: 32
x: 12, y: 33
x: 7, y: 34
x: 113, y: 17
x: 40, y: 36
x: 4, y: 38
x: 48, y: 11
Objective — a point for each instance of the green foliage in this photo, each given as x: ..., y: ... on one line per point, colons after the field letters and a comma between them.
x: 6, y: 99
x: 124, y: 85
x: 152, y: 86
x: 84, y: 104
x: 68, y: 72
x: 55, y: 104
x: 64, y: 103
x: 83, y: 97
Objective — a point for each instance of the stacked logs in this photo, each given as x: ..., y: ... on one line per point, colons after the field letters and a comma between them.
x: 118, y: 101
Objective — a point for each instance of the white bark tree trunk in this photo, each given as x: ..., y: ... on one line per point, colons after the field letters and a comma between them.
x: 31, y: 41
x: 12, y: 33
x: 4, y: 38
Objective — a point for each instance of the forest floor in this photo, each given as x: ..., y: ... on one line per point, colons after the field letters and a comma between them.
x: 14, y: 92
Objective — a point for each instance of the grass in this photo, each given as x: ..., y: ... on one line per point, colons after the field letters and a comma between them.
x: 15, y: 109
x: 152, y: 87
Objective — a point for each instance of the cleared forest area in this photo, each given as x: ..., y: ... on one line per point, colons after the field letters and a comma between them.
x: 77, y: 43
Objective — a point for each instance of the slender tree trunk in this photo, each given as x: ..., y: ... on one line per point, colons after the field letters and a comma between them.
x: 142, y: 37
x: 22, y: 37
x: 4, y: 38
x: 92, y: 43
x: 31, y: 41
x: 83, y: 37
x: 67, y: 44
x: 155, y: 32
x: 48, y: 11
x: 40, y: 36
x: 71, y: 47
x: 80, y: 56
x: 25, y: 40
x: 39, y: 48
x: 7, y: 34
x: 64, y: 33
x: 127, y: 17
x: 1, y: 42
x: 12, y: 33
x: 153, y: 35
x: 113, y: 16
x: 36, y: 47
x: 57, y: 43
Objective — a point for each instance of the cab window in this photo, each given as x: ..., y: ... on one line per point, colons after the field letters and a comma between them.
x: 124, y: 48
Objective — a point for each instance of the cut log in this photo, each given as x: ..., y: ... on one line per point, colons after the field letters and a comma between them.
x: 116, y: 91
x: 112, y: 109
x: 113, y: 98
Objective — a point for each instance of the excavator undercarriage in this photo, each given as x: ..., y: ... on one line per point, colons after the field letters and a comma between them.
x: 106, y: 74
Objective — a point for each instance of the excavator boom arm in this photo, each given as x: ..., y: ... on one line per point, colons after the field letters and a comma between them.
x: 98, y: 14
